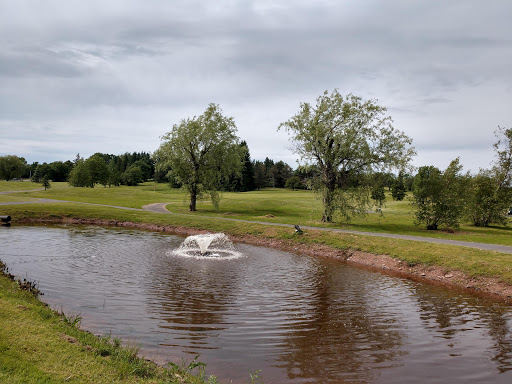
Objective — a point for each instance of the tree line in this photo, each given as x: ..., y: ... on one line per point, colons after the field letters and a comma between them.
x: 349, y: 152
x: 98, y: 169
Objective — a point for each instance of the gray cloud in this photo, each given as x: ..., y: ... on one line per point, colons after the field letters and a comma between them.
x: 118, y: 74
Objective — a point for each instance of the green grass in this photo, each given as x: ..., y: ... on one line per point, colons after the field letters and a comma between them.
x: 18, y: 185
x: 273, y: 205
x: 133, y: 197
x: 14, y: 198
x: 39, y: 345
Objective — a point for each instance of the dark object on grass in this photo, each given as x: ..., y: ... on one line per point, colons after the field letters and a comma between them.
x: 5, y: 219
x: 298, y: 230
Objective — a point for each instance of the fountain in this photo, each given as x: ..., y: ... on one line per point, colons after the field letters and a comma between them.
x: 208, y: 245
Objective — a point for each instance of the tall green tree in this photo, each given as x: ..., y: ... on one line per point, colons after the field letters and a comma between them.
x: 490, y: 192
x: 45, y: 182
x: 398, y: 188
x: 202, y: 153
x: 133, y: 175
x: 12, y: 167
x: 114, y: 174
x: 98, y: 170
x: 259, y: 175
x: 244, y: 181
x: 80, y: 175
x: 346, y: 137
x: 439, y: 197
x: 280, y: 172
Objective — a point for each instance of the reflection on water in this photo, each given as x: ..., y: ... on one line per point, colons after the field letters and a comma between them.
x: 298, y: 319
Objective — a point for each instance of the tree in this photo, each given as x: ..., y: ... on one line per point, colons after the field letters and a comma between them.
x: 202, y: 153
x: 294, y: 183
x: 438, y: 197
x: 346, y: 137
x: 80, y: 175
x: 490, y: 194
x: 280, y: 172
x: 247, y: 178
x: 114, y: 175
x: 244, y: 181
x: 398, y: 188
x: 259, y: 174
x: 45, y: 182
x: 11, y: 167
x: 378, y: 195
x: 133, y: 175
x: 98, y: 170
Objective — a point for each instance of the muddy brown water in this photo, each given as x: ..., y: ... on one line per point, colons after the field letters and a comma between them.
x: 296, y: 318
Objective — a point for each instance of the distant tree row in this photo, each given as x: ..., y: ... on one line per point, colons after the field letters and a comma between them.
x: 100, y: 168
x: 111, y: 170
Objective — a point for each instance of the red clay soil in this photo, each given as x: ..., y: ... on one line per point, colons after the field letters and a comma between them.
x: 482, y: 286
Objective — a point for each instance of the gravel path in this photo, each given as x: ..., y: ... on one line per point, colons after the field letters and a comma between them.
x: 28, y: 190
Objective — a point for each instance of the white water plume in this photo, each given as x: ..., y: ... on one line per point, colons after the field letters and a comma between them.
x: 208, y: 245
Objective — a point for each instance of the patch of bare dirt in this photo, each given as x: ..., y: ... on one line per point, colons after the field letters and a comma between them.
x: 485, y: 286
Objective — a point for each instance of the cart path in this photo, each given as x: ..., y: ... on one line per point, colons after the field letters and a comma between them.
x: 161, y: 208
x: 27, y: 190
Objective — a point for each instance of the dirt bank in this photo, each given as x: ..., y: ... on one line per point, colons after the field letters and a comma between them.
x: 483, y: 286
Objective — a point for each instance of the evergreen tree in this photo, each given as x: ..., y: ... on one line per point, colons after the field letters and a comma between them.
x: 378, y: 195
x: 45, y: 182
x: 259, y: 175
x: 398, y: 189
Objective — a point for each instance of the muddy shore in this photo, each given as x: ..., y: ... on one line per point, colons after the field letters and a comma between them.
x: 481, y: 286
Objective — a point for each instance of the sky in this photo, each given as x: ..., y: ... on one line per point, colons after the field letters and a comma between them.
x: 114, y: 76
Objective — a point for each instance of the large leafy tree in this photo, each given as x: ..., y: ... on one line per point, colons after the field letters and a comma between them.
x: 398, y: 189
x: 347, y: 138
x: 11, y: 167
x: 202, y: 153
x: 490, y: 194
x: 439, y: 197
x: 98, y: 170
x: 80, y: 175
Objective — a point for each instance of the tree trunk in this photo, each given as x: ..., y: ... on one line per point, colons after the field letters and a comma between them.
x: 328, y: 198
x: 328, y: 206
x: 193, y: 200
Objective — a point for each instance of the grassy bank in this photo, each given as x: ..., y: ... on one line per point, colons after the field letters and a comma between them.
x: 272, y: 205
x: 39, y: 345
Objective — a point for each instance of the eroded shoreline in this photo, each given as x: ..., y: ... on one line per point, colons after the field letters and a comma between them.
x: 481, y: 286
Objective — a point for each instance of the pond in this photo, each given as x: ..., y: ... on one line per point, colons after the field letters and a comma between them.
x: 296, y: 318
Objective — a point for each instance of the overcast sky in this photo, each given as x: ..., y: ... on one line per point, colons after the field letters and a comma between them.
x: 114, y: 76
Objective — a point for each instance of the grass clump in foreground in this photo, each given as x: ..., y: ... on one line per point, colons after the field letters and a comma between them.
x: 39, y: 345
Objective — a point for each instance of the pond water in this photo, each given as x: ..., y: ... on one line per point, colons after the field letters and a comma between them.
x: 296, y: 318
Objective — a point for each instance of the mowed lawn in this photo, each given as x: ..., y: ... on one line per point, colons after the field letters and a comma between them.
x: 268, y: 205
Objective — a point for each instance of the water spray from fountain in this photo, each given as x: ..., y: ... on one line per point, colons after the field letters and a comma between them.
x: 208, y: 245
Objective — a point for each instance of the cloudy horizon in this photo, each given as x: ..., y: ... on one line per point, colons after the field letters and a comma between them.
x: 113, y: 77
